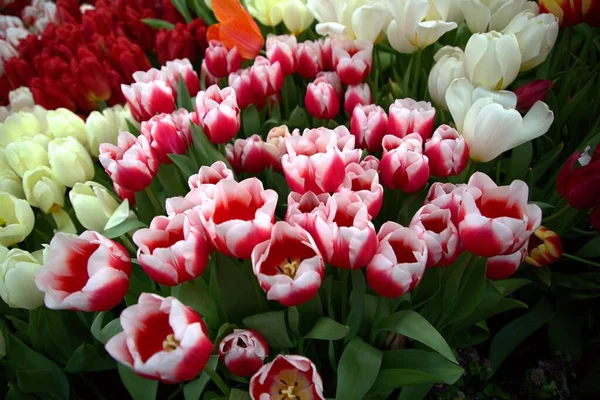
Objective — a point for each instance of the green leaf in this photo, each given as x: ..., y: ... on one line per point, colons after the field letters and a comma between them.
x: 591, y: 249
x: 272, y: 326
x: 357, y: 303
x: 470, y: 291
x: 205, y: 148
x: 196, y: 295
x: 170, y: 179
x: 48, y: 328
x: 139, y: 388
x: 237, y: 394
x: 577, y: 101
x: 327, y: 329
x: 87, y: 359
x: 181, y: 6
x: 415, y: 392
x: 194, y: 389
x: 158, y: 23
x: 132, y: 128
x: 520, y: 159
x: 508, y: 286
x: 185, y: 164
x: 124, y: 227
x: 203, y: 11
x: 110, y: 330
x: 414, y: 367
x: 565, y: 332
x: 184, y: 100
x: 512, y: 334
x: 414, y: 326
x: 298, y: 118
x: 357, y: 370
x: 545, y: 163
x: 251, y: 120
x: 429, y: 287
x: 294, y: 320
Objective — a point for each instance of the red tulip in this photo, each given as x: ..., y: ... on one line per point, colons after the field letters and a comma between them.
x: 579, y: 179
x: 309, y: 59
x: 447, y: 152
x: 265, y: 78
x: 326, y: 54
x: 92, y: 76
x: 399, y: 262
x: 127, y: 58
x: 84, y: 273
x: 408, y: 116
x: 210, y: 175
x: 502, y: 267
x: 434, y: 225
x: 175, y: 44
x: 292, y: 377
x: 403, y: 164
x: 218, y: 113
x: 243, y: 352
x: 124, y: 194
x: 175, y: 69
x: 164, y: 137
x: 162, y: 339
x: 220, y: 61
x: 532, y: 92
x: 252, y: 155
x: 289, y: 266
x: 369, y: 126
x: 283, y: 49
x: 357, y: 95
x: 573, y: 12
x: 321, y: 101
x: 365, y: 183
x: 352, y: 60
x: 147, y: 99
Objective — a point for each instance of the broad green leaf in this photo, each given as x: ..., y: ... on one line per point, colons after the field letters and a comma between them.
x: 427, y: 288
x: 591, y: 249
x: 205, y: 149
x: 357, y: 303
x: 470, y: 290
x: 193, y: 390
x: 184, y: 100
x: 251, y: 121
x: 545, y: 163
x: 294, y: 320
x: 471, y: 336
x: 508, y: 286
x: 124, y: 227
x: 272, y: 326
x: 181, y: 6
x: 237, y: 394
x: 48, y: 328
x: 298, y: 118
x: 565, y: 332
x: 196, y: 295
x: 98, y: 323
x: 414, y: 326
x: 185, y: 164
x: 357, y: 370
x: 139, y: 388
x: 577, y: 101
x: 309, y: 313
x: 132, y: 128
x: 327, y: 329
x: 87, y: 359
x: 158, y: 23
x: 415, y: 392
x: 110, y: 330
x: 520, y: 159
x: 171, y: 179
x: 452, y: 279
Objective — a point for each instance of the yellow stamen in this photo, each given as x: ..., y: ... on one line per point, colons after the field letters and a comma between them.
x: 3, y: 222
x: 170, y: 343
x: 289, y: 267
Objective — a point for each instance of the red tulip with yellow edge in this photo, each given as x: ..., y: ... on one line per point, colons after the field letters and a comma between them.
x: 545, y: 247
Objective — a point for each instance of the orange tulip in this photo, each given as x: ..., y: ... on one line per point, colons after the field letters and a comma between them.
x: 573, y: 12
x: 236, y: 28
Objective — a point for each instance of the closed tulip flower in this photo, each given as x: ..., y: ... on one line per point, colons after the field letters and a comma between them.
x: 221, y: 61
x: 357, y: 95
x: 449, y: 65
x: 206, y: 78
x: 10, y: 182
x: 532, y: 92
x: 369, y: 124
x: 147, y: 99
x: 283, y: 49
x: 488, y: 121
x: 544, y: 248
x: 218, y: 113
x: 536, y: 35
x: 492, y: 60
x: 243, y: 352
x: 63, y: 123
x: 491, y: 15
x: 309, y: 58
x: 578, y: 179
x: 101, y: 127
x: 17, y: 284
x: 86, y: 273
x: 333, y: 79
x: 93, y: 205
x: 289, y: 266
x: 70, y: 162
x: 240, y: 81
x: 399, y: 262
x: 409, y: 116
x: 17, y: 125
x: 164, y: 137
x: 498, y: 221
x: 571, y: 13
x: 365, y: 183
x: 176, y: 69
x: 266, y: 78
x: 296, y: 16
x: 252, y: 155
x: 321, y: 100
x: 25, y: 154
x: 503, y: 267
x: 21, y: 99
x: 403, y: 165
x: 177, y: 347
x: 370, y: 162
x: 447, y: 152
x: 42, y: 190
x: 434, y: 225
x: 16, y: 219
x: 352, y: 60
x: 268, y: 12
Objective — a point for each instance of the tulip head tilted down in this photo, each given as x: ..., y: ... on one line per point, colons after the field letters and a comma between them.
x: 243, y: 352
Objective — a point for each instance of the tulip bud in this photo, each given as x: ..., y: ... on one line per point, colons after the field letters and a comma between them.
x: 321, y: 101
x: 577, y: 180
x: 243, y: 352
x: 63, y: 123
x: 545, y: 247
x: 447, y: 152
x: 210, y: 175
x: 532, y: 92
x: 70, y: 161
x: 369, y: 125
x: 352, y: 60
x: 218, y: 113
x: 17, y: 284
x: 403, y: 164
x: 42, y: 190
x: 16, y: 219
x: 147, y: 99
x: 21, y: 124
x: 449, y: 65
x: 240, y: 81
x: 333, y: 79
x: 100, y: 127
x: 492, y: 60
x: 296, y: 16
x: 164, y: 137
x: 283, y: 49
x: 268, y: 12
x: 408, y: 116
x: 357, y: 95
x: 93, y: 205
x: 181, y: 69
x: 25, y: 154
x: 20, y: 99
x: 309, y: 58
x: 220, y: 61
x: 266, y: 78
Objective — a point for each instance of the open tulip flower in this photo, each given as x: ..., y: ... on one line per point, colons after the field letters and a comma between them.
x: 352, y: 60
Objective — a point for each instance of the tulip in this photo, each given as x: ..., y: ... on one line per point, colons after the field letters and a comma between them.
x: 283, y: 49
x: 483, y: 16
x: 545, y: 247
x: 357, y: 95
x: 25, y: 154
x: 63, y: 123
x: 176, y: 69
x: 365, y: 183
x: 578, y: 177
x: 434, y: 225
x: 408, y: 116
x: 449, y: 65
x: 147, y: 99
x: 86, y: 273
x: 171, y: 251
x: 178, y: 42
x: 313, y: 162
x: 292, y: 377
x: 17, y: 125
x: 369, y: 125
x: 572, y: 12
x: 70, y: 162
x: 240, y: 81
x: 177, y: 347
x: 101, y: 127
x: 447, y: 152
x: 352, y: 60
x: 327, y: 54
x: 403, y: 164
x: 42, y: 190
x: 532, y: 92
x: 333, y: 79
x: 488, y: 121
x: 243, y: 352
x: 220, y: 61
x: 93, y: 205
x: 448, y: 196
x: 16, y: 219
x: 399, y: 262
x: 21, y: 99
x: 370, y: 162
x: 296, y: 16
x: 266, y: 78
x: 321, y: 101
x: 210, y: 175
x: 218, y: 113
x: 278, y: 137
x: 237, y: 216
x: 252, y: 155
x: 10, y: 182
x: 502, y: 267
x: 7, y: 51
x: 17, y: 285
x: 267, y: 12
x: 132, y: 164
x: 409, y: 32
x: 536, y: 35
x: 206, y: 78
x: 164, y: 137
x: 498, y: 221
x: 309, y: 58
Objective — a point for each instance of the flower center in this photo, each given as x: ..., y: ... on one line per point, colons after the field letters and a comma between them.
x: 289, y: 267
x: 170, y: 343
x: 3, y: 222
x: 289, y: 392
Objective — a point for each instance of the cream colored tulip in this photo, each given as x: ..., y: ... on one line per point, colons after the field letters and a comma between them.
x: 268, y: 12
x: 493, y: 15
x: 17, y: 125
x: 64, y: 223
x: 101, y: 127
x: 24, y: 154
x: 70, y: 162
x: 296, y: 16
x: 16, y: 219
x: 445, y: 10
x: 449, y: 65
x: 21, y: 99
x: 63, y: 123
x: 17, y: 284
x: 9, y: 181
x: 93, y: 205
x: 42, y: 190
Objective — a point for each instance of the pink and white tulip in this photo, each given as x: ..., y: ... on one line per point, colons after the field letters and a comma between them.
x: 357, y: 95
x: 449, y: 197
x: 206, y: 78
x: 365, y: 183
x: 352, y: 60
x: 408, y: 116
x: 243, y: 352
x: 345, y: 143
x: 283, y: 49
x: 502, y: 267
x: 147, y: 99
x: 240, y: 81
x: 309, y: 59
x: 162, y: 339
x: 84, y: 273
x: 164, y: 137
x: 447, y: 152
x: 210, y: 175
x: 369, y: 126
x: 434, y: 225
x: 321, y: 100
x: 326, y: 54
x: 266, y: 78
x: 220, y: 61
x: 370, y: 162
x: 252, y: 155
x: 175, y: 69
x: 218, y: 113
x: 403, y: 165
x: 333, y: 79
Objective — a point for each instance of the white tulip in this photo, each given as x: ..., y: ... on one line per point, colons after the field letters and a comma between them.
x: 93, y: 205
x: 16, y: 219
x: 4, y: 113
x: 492, y: 60
x: 296, y: 16
x: 536, y: 35
x: 122, y: 115
x: 9, y: 181
x: 449, y: 65
x: 17, y: 125
x: 446, y: 10
x: 24, y: 154
x: 409, y: 32
x: 20, y: 99
x: 42, y: 190
x: 70, y: 162
x: 17, y: 284
x: 63, y: 222
x: 493, y: 15
x: 268, y: 12
x: 63, y: 122
x: 101, y: 127
x: 489, y: 122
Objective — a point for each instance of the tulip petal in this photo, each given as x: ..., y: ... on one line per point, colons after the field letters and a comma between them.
x: 535, y: 123
x: 459, y: 100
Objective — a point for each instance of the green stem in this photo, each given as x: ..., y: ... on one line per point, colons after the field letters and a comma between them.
x: 217, y: 380
x: 415, y: 89
x: 582, y: 260
x: 344, y: 274
x: 153, y: 200
x: 556, y: 214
